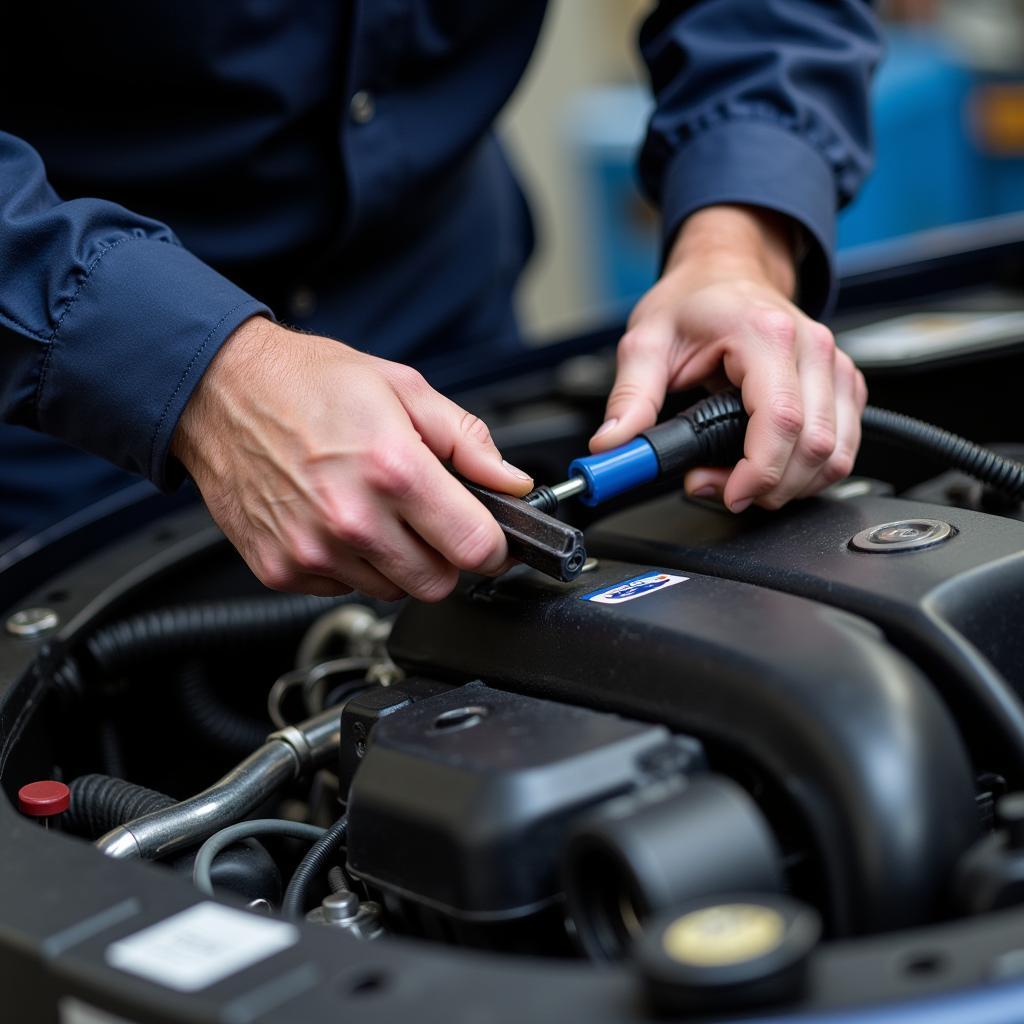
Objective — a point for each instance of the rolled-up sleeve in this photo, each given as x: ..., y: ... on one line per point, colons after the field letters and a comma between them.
x: 106, y: 322
x: 764, y: 104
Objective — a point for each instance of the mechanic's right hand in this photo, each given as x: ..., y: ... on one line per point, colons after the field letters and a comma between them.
x: 323, y: 467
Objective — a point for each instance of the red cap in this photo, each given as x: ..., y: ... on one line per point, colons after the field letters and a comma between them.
x: 43, y: 799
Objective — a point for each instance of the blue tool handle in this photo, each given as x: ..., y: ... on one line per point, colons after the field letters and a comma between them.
x: 616, y: 471
x: 709, y: 433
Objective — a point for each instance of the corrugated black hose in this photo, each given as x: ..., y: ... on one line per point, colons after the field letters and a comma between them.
x: 179, y: 632
x: 224, y: 727
x: 312, y: 865
x: 201, y: 628
x: 719, y: 422
x: 100, y: 803
x: 997, y: 471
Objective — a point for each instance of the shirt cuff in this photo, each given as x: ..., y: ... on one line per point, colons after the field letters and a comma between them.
x: 134, y: 339
x: 760, y: 164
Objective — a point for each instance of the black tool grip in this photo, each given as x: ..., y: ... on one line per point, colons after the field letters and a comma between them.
x: 535, y: 538
x: 709, y: 433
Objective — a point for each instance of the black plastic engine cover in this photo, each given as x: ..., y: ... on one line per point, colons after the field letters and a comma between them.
x: 463, y: 800
x: 954, y: 608
x: 813, y: 698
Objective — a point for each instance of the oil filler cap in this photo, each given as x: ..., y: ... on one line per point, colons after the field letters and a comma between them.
x: 723, y: 953
x: 902, y: 535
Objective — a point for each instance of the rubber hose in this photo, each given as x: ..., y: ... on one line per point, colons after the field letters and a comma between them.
x: 111, y: 750
x: 202, y: 628
x: 100, y: 803
x: 997, y: 471
x: 245, y: 830
x: 215, y: 721
x: 720, y: 422
x: 295, y: 896
x: 66, y: 680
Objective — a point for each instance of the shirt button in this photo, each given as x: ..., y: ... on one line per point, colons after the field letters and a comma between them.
x: 362, y: 107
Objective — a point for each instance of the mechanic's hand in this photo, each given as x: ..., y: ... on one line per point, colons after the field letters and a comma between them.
x: 323, y: 467
x: 721, y: 314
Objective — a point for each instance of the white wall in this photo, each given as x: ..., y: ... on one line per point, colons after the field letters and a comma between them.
x: 584, y: 43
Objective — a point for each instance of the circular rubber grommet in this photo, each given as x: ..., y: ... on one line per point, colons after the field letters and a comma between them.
x: 43, y: 799
x: 902, y: 535
x: 725, y: 952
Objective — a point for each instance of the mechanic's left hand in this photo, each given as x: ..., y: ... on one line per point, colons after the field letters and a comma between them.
x: 721, y: 313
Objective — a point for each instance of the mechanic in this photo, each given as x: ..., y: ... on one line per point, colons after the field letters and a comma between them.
x: 171, y: 173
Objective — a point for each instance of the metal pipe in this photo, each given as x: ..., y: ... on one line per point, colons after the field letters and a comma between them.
x: 286, y: 755
x: 546, y: 498
x: 569, y: 488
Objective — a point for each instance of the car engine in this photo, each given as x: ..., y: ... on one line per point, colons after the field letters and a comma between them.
x: 760, y: 765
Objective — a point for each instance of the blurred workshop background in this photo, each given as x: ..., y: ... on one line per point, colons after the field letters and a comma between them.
x: 949, y: 126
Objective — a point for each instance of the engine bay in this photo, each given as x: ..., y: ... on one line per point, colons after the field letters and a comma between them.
x: 759, y: 766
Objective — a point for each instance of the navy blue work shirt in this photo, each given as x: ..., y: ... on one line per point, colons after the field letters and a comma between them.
x: 174, y: 167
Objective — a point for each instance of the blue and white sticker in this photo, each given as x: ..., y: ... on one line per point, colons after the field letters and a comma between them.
x: 638, y: 586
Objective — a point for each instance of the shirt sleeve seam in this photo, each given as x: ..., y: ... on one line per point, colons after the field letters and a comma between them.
x: 22, y: 326
x: 185, y: 374
x: 44, y: 370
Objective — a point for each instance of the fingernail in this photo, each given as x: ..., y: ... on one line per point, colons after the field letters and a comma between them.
x: 607, y: 425
x: 516, y: 471
x: 707, y: 491
x: 741, y: 506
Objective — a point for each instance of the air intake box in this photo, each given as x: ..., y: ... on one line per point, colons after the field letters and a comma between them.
x: 463, y: 800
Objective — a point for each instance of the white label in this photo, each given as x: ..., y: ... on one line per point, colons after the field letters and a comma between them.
x: 639, y: 586
x: 200, y: 946
x: 73, y: 1011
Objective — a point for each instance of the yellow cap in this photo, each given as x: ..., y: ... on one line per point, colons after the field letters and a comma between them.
x: 729, y: 933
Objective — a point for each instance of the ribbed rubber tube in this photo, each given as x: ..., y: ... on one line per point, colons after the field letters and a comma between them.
x: 720, y: 422
x: 295, y: 896
x: 100, y: 803
x: 997, y: 471
x: 215, y: 721
x: 183, y: 630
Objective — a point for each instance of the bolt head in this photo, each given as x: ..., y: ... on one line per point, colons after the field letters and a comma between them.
x: 340, y: 906
x: 32, y: 622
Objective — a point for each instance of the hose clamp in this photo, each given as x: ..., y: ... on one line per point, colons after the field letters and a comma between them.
x: 296, y: 739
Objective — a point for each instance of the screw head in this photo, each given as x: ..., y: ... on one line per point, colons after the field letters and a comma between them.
x: 32, y: 622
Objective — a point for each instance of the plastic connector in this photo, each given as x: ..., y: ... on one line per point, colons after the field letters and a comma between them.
x: 616, y: 471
